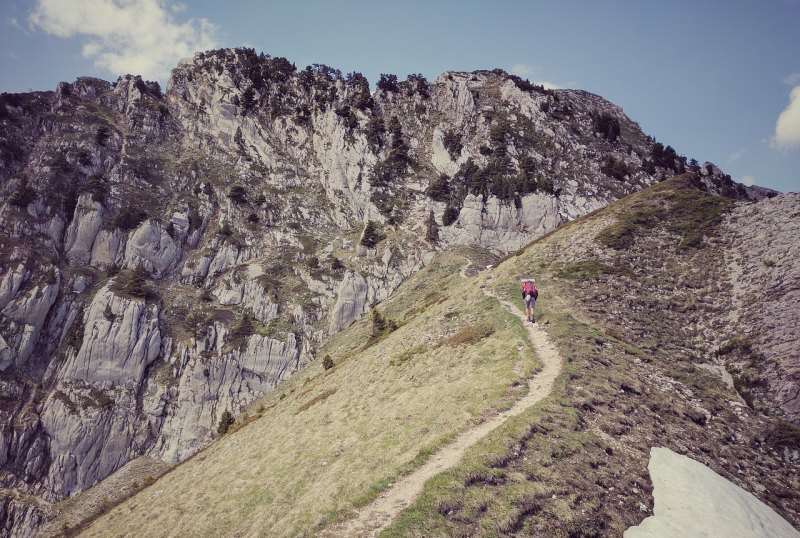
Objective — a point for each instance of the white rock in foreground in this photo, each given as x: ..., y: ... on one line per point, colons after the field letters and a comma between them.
x: 692, y: 500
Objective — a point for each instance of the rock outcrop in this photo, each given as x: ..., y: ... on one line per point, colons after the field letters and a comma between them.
x: 765, y: 293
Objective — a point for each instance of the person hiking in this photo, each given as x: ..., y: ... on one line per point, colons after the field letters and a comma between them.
x: 530, y: 294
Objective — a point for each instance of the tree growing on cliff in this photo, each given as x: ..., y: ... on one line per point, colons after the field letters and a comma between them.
x: 137, y: 282
x: 225, y: 422
x: 431, y: 228
x: 388, y: 83
x: 372, y: 235
x: 23, y: 195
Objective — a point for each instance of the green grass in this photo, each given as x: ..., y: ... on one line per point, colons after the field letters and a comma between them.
x: 588, y: 269
x: 330, y: 441
x: 676, y: 204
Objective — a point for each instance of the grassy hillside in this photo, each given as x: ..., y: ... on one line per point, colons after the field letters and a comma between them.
x: 632, y: 320
x: 633, y: 323
x: 329, y: 441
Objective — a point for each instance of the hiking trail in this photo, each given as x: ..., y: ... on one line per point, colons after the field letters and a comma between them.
x: 376, y: 516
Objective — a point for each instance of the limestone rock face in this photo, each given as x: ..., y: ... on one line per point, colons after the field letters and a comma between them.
x: 151, y: 246
x: 121, y: 338
x: 183, y: 252
x: 765, y: 291
x: 351, y: 302
x: 82, y: 232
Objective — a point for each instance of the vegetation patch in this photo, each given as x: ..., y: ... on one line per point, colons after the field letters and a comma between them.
x: 470, y: 335
x: 785, y: 435
x: 588, y: 269
x: 321, y: 397
x: 679, y: 205
x: 408, y: 354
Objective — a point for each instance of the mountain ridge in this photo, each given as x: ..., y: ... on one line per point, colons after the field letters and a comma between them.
x: 168, y: 257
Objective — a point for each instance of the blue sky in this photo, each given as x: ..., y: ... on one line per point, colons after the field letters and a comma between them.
x: 717, y: 80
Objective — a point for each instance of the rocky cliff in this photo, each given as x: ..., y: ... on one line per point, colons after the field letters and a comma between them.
x: 167, y: 257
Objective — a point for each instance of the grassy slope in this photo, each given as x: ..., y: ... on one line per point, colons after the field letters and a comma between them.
x: 328, y: 441
x: 574, y: 465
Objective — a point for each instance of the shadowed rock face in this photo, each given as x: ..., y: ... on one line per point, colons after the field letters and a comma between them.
x: 237, y: 199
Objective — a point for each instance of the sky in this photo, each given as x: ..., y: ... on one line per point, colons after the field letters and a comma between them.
x: 719, y: 80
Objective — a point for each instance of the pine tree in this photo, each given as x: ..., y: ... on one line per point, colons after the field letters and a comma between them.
x: 248, y: 100
x: 225, y: 422
x: 137, y: 282
x: 23, y: 195
x: 432, y: 230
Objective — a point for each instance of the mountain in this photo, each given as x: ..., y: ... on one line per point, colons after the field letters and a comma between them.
x: 653, y: 343
x: 167, y: 259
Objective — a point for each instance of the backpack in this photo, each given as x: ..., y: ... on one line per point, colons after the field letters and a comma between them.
x: 529, y: 288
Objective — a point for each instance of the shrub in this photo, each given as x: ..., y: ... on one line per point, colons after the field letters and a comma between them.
x: 419, y: 84
x: 439, y: 189
x: 471, y: 334
x: 225, y: 422
x: 348, y: 116
x: 452, y: 143
x: 23, y: 195
x: 137, y: 282
x: 243, y: 329
x: 372, y: 235
x: 336, y: 265
x: 327, y: 362
x: 225, y: 229
x: 252, y: 218
x: 785, y: 435
x: 388, y: 83
x: 129, y: 218
x: 450, y: 215
x: 96, y: 185
x: 248, y: 100
x: 238, y: 194
x: 432, y: 230
x: 498, y: 133
x: 607, y: 125
x: 374, y: 132
x: 614, y: 168
x: 101, y: 136
x: 545, y: 183
x: 381, y: 325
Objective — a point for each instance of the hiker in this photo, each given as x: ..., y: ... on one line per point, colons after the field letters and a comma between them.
x: 530, y: 294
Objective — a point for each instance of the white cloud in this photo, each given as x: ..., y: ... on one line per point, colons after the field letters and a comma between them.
x: 792, y: 79
x: 736, y: 155
x: 748, y: 180
x: 529, y: 72
x: 787, y: 128
x: 126, y: 36
x: 522, y: 70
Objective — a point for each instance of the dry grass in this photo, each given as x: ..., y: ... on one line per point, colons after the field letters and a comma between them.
x: 362, y: 423
x: 470, y: 335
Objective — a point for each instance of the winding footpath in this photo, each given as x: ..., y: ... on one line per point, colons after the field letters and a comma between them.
x: 373, y: 518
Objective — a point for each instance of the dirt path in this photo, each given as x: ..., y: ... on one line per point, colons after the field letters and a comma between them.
x: 373, y: 518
